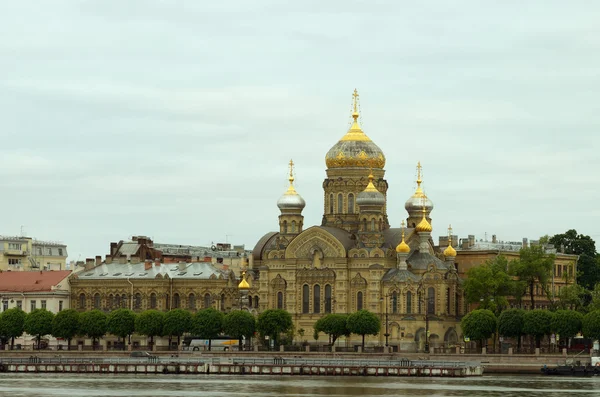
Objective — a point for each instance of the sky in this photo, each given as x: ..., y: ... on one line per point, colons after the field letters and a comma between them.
x: 176, y: 119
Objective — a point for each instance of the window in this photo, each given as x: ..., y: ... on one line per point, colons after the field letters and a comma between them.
x: 373, y: 224
x: 409, y: 302
x: 60, y: 251
x: 192, y: 302
x: 153, y: 301
x: 206, y: 301
x: 137, y: 301
x: 394, y: 302
x: 284, y: 227
x: 223, y: 302
x: 305, y: 298
x: 431, y: 300
x: 49, y: 251
x: 14, y: 246
x: 256, y: 302
x: 328, y: 298
x: 124, y: 302
x: 351, y: 203
x: 448, y: 300
x: 359, y: 301
x: 331, y: 203
x: 176, y: 301
x: 20, y: 305
x: 43, y: 305
x: 168, y: 301
x: 60, y: 306
x: 97, y: 301
x: 82, y: 301
x: 33, y: 304
x: 4, y: 306
x: 317, y: 299
x: 364, y: 225
x: 14, y: 261
x: 280, y: 300
x: 39, y: 251
x: 340, y: 206
x: 111, y: 301
x: 117, y: 301
x: 250, y: 301
x: 293, y: 226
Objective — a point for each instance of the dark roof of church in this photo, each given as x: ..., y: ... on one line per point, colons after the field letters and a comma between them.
x: 258, y: 248
x: 341, y: 235
x: 420, y: 260
x: 400, y: 275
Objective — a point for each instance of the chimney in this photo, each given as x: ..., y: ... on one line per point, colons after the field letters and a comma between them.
x: 148, y: 265
x: 494, y: 239
x: 464, y: 243
x: 135, y: 259
x: 455, y: 241
x: 98, y: 260
x: 108, y: 259
x: 89, y: 263
x: 122, y: 260
x: 113, y: 249
x: 471, y: 240
x: 443, y: 241
x: 181, y: 266
x: 525, y: 245
x: 157, y: 262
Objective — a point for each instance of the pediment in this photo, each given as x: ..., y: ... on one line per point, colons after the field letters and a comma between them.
x: 315, y: 239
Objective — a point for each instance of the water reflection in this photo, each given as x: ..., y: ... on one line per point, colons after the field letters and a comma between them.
x: 34, y: 385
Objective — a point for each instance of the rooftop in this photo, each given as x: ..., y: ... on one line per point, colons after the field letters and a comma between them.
x: 31, y: 281
x: 196, y: 270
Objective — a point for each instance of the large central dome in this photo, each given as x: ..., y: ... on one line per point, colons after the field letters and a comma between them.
x: 355, y: 149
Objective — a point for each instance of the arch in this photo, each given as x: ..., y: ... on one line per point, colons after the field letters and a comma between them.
x: 153, y: 301
x: 192, y: 301
x: 340, y: 203
x: 176, y: 301
x: 315, y: 238
x: 137, y: 301
x: 305, y: 299
x: 364, y: 228
x: 207, y: 302
x: 327, y: 298
x: 350, y: 203
x: 331, y: 203
x: 280, y: 300
x: 82, y: 301
x: 359, y: 301
x: 409, y: 302
x: 451, y: 337
x: 293, y: 226
x: 97, y: 301
x: 317, y: 298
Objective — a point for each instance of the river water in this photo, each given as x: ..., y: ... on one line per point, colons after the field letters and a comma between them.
x: 43, y: 385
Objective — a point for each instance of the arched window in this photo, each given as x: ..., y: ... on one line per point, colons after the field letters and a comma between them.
x: 364, y: 225
x: 117, y: 301
x: 249, y: 300
x: 168, y: 301
x: 293, y: 226
x: 284, y: 227
x: 280, y: 300
x: 328, y: 298
x: 256, y: 302
x: 82, y: 301
x: 223, y: 302
x: 331, y: 203
x: 409, y: 302
x: 137, y: 301
x: 111, y: 301
x: 448, y: 301
x: 340, y: 206
x: 317, y: 299
x: 351, y: 203
x: 431, y: 300
x: 394, y: 302
x: 124, y: 301
x: 192, y: 302
x: 456, y: 304
x: 153, y: 301
x: 373, y: 224
x: 305, y: 298
x: 206, y: 301
x: 359, y: 301
x: 97, y: 301
x: 176, y: 301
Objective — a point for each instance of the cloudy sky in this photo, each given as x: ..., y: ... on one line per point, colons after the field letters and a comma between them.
x: 176, y: 119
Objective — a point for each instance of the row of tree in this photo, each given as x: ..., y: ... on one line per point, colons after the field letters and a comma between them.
x: 482, y: 324
x: 492, y: 283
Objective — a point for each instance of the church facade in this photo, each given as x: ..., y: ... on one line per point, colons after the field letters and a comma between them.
x: 355, y: 260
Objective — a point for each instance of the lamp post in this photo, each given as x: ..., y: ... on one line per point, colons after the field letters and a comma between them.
x: 387, y: 334
x: 427, y: 303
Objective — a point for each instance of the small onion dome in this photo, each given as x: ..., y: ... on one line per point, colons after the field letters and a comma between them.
x: 419, y: 199
x: 402, y: 248
x: 450, y: 252
x: 291, y: 200
x: 424, y: 226
x: 243, y: 284
x: 370, y: 196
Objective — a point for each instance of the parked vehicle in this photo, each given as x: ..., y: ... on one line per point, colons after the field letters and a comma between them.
x: 220, y: 343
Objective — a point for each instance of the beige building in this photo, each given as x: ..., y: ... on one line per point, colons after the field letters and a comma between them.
x: 25, y: 253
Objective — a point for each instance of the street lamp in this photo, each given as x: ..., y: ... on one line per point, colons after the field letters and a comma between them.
x: 428, y: 303
x: 386, y: 320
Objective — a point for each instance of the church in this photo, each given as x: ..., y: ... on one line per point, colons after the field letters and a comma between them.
x: 355, y: 260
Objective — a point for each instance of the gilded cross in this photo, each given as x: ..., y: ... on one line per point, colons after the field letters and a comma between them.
x: 355, y: 96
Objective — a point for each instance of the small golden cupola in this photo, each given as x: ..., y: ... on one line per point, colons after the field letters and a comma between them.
x: 403, y: 248
x: 424, y: 226
x: 450, y: 252
x: 243, y: 285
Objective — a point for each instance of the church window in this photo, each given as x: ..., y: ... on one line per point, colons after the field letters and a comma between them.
x: 192, y: 302
x: 364, y: 225
x: 351, y: 203
x: 317, y: 299
x: 153, y: 301
x: 117, y: 301
x: 284, y: 227
x: 168, y: 302
x: 409, y: 302
x: 293, y: 226
x: 176, y: 301
x: 359, y: 301
x: 256, y: 302
x: 373, y: 224
x: 305, y: 299
x: 331, y: 203
x: 431, y: 300
x: 137, y: 302
x: 82, y: 301
x: 280, y: 300
x: 448, y: 300
x: 97, y: 301
x: 249, y: 300
x: 124, y: 302
x: 394, y: 302
x: 340, y: 208
x: 111, y: 301
x: 328, y: 298
x: 207, y: 301
x: 223, y: 302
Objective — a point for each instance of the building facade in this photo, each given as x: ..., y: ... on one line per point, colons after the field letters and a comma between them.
x: 25, y: 253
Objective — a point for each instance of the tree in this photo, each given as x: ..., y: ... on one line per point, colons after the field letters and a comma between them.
x: 489, y: 284
x: 510, y: 324
x: 479, y: 325
x: 66, y: 325
x: 588, y: 274
x: 334, y: 325
x: 121, y: 322
x: 572, y: 297
x: 591, y: 325
x: 537, y: 323
x: 177, y: 322
x: 208, y: 324
x: 12, y: 324
x: 533, y: 266
x: 150, y: 323
x: 363, y: 322
x: 239, y: 324
x: 566, y: 323
x: 39, y: 323
x: 93, y: 325
x: 273, y: 322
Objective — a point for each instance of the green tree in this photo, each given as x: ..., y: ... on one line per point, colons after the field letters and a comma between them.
x: 273, y: 322
x: 510, y: 324
x: 572, y: 297
x: 588, y: 274
x: 208, y: 324
x: 363, y: 322
x: 66, y: 325
x: 591, y: 325
x: 177, y: 322
x: 533, y: 266
x: 489, y: 284
x: 93, y: 325
x: 479, y: 325
x: 537, y: 323
x: 121, y: 322
x: 566, y: 323
x: 334, y: 325
x: 12, y: 323
x: 39, y: 323
x: 150, y: 323
x: 239, y: 324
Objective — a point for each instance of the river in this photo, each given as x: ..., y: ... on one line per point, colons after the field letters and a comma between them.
x: 46, y: 385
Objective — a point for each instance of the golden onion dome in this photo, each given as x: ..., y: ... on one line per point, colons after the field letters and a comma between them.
x: 402, y: 248
x: 355, y: 149
x: 243, y: 284
x: 450, y: 251
x: 424, y: 226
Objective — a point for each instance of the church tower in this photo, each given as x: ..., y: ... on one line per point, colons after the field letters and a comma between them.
x: 417, y: 202
x: 370, y: 204
x: 291, y: 205
x: 348, y: 163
